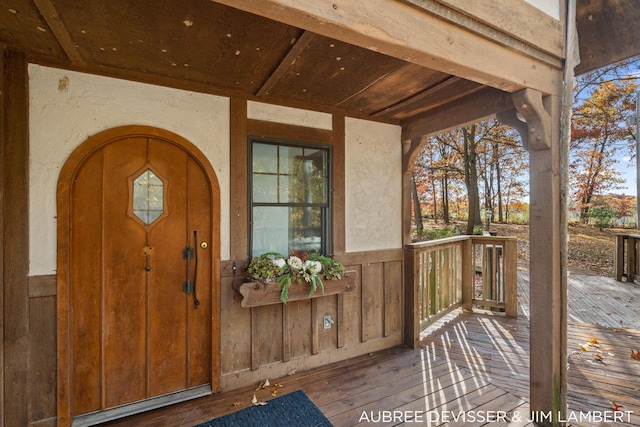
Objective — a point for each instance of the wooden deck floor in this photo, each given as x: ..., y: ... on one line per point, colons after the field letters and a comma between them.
x: 470, y: 364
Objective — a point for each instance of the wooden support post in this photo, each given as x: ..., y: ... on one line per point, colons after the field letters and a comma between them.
x: 410, y: 150
x: 411, y: 303
x: 468, y: 274
x: 15, y: 237
x: 511, y: 278
x: 547, y: 237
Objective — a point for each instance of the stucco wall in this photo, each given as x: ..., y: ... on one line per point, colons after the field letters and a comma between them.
x: 373, y: 168
x: 550, y: 7
x: 67, y: 107
x: 373, y: 186
x: 289, y: 116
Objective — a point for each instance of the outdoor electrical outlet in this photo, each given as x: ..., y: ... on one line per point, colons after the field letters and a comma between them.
x: 328, y: 321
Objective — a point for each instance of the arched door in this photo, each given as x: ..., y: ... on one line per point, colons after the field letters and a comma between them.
x: 138, y: 275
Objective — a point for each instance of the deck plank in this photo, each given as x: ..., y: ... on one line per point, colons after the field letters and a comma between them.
x: 467, y: 362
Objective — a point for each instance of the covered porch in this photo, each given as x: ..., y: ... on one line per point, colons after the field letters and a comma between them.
x: 348, y: 68
x: 467, y: 364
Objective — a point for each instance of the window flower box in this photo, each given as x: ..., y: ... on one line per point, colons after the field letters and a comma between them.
x: 255, y: 294
x: 274, y: 279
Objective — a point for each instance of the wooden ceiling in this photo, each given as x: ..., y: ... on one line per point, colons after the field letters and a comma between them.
x: 203, y: 44
x: 608, y: 30
x: 209, y: 47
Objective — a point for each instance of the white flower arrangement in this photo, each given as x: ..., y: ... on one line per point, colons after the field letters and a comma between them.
x: 308, y: 268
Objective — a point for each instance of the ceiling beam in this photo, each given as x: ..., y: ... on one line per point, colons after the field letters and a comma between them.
x: 517, y: 24
x: 299, y: 46
x: 407, y: 32
x: 448, y: 90
x: 59, y: 30
x: 482, y: 105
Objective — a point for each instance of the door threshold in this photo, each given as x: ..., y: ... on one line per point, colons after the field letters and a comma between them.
x: 98, y: 417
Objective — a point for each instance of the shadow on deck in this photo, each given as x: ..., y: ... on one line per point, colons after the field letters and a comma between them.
x: 470, y: 364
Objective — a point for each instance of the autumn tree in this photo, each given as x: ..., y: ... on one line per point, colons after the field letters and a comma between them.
x: 422, y: 179
x: 415, y: 202
x: 437, y: 175
x: 470, y: 167
x: 601, y: 130
x: 625, y: 206
x: 485, y: 156
x: 504, y: 162
x: 493, y: 152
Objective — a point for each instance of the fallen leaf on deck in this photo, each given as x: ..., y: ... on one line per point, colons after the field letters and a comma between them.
x: 598, y: 357
x: 635, y: 354
x: 274, y: 393
x: 236, y: 404
x: 255, y: 401
x: 263, y: 385
x: 584, y: 347
x: 593, y: 340
x: 615, y: 406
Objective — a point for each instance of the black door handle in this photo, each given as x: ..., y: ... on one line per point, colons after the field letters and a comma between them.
x: 196, y: 301
x: 189, y: 253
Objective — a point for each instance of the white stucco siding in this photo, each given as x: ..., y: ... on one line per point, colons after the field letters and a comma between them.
x: 289, y: 115
x: 373, y: 186
x: 550, y: 7
x: 68, y: 107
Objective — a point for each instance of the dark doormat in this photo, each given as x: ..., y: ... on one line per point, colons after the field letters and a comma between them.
x: 293, y: 409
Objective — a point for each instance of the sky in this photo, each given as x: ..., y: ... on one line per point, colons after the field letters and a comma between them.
x: 627, y: 167
x: 628, y: 171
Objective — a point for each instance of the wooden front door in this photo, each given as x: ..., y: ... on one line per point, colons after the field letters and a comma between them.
x: 140, y: 290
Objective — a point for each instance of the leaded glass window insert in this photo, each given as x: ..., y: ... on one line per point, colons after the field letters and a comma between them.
x: 289, y: 197
x: 148, y: 197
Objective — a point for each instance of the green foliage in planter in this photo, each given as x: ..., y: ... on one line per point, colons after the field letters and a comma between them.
x: 273, y: 267
x: 331, y: 269
x: 263, y: 269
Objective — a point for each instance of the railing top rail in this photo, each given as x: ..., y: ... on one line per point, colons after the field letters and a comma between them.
x: 635, y: 236
x: 492, y: 239
x: 455, y: 239
x: 438, y: 242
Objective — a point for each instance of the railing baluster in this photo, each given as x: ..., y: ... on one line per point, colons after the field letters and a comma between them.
x: 619, y: 256
x: 444, y: 275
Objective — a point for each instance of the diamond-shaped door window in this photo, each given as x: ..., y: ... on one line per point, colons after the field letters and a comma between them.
x: 148, y: 197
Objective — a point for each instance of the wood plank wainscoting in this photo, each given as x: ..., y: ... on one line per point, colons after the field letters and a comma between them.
x: 470, y: 363
x: 42, y: 350
x: 257, y: 343
x: 276, y: 340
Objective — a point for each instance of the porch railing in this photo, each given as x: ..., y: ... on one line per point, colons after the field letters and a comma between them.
x: 627, y: 257
x: 468, y: 271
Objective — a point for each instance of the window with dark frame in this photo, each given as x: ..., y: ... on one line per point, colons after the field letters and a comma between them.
x: 289, y: 197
